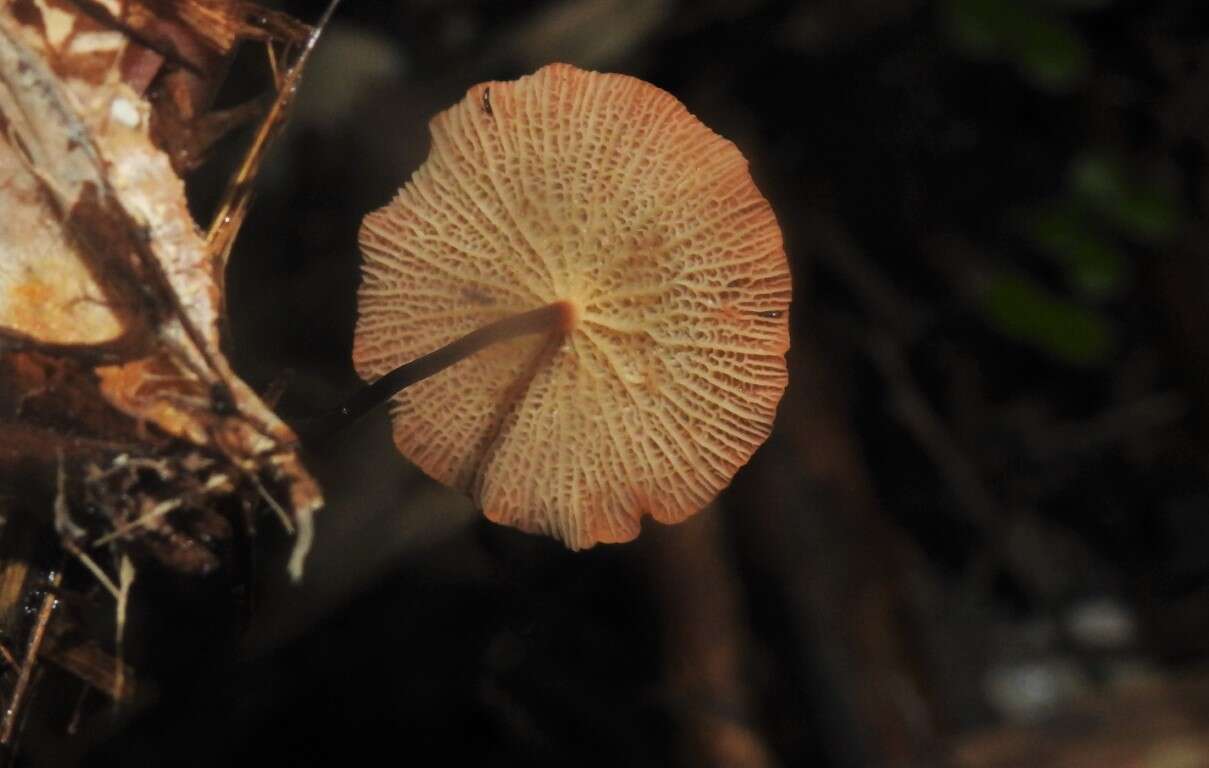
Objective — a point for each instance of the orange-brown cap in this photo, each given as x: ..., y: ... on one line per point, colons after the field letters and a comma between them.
x: 602, y: 191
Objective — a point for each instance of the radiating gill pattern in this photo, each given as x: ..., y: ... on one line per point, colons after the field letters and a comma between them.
x: 604, y: 191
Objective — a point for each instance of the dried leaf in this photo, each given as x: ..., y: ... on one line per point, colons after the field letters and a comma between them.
x: 115, y: 395
x: 47, y: 291
x: 132, y: 284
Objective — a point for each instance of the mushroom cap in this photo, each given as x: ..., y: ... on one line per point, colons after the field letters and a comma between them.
x: 603, y: 191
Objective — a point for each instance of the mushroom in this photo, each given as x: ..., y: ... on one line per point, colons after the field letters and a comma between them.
x: 608, y: 289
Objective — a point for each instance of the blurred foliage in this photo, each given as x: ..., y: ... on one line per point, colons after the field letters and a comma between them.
x: 1033, y: 35
x: 1021, y: 309
x: 1090, y: 233
x: 1105, y: 214
x: 1095, y: 266
x: 1146, y: 212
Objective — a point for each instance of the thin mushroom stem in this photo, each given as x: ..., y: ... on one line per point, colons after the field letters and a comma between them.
x: 557, y: 317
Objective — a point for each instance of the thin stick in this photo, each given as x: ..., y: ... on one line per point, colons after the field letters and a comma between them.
x: 12, y: 714
x: 7, y: 656
x: 550, y: 318
x: 126, y: 577
x: 235, y: 201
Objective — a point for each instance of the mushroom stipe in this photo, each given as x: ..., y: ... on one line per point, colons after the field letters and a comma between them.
x: 555, y: 318
x: 614, y: 286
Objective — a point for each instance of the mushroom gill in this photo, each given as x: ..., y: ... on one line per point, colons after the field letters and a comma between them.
x: 661, y: 373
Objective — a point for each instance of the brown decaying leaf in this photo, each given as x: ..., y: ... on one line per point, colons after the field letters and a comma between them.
x: 46, y: 289
x: 114, y: 391
x: 101, y: 264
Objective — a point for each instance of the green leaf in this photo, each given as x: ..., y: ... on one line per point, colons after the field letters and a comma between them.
x: 1094, y: 265
x: 1047, y: 50
x: 1150, y: 213
x: 974, y: 24
x: 1098, y: 178
x: 1023, y: 311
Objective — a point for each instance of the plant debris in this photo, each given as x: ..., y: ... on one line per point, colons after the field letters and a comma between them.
x: 115, y: 392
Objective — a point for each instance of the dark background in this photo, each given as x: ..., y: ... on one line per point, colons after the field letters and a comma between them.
x: 978, y: 535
